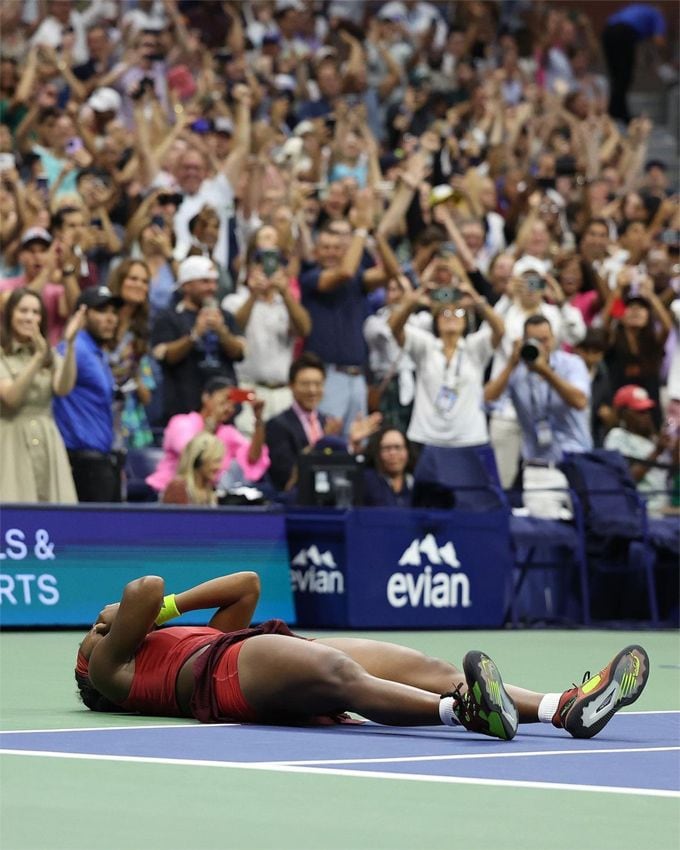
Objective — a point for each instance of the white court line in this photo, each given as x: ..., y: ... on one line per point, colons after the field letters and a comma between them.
x: 191, y: 724
x: 464, y: 756
x: 360, y: 774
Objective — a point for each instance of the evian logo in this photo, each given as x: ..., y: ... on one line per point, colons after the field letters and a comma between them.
x: 312, y: 571
x: 427, y: 588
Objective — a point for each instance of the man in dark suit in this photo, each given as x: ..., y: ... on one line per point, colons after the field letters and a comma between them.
x: 302, y: 425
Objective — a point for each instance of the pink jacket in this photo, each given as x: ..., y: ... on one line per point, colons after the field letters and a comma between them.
x: 182, y: 427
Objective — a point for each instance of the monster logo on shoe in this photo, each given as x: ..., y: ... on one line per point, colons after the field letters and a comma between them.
x: 584, y: 711
x: 486, y: 707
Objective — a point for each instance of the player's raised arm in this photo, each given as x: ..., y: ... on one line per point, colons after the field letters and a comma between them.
x: 235, y: 596
x: 138, y: 609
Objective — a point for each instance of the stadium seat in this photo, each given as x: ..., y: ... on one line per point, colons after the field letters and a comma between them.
x: 621, y: 538
x: 467, y: 478
x: 140, y: 463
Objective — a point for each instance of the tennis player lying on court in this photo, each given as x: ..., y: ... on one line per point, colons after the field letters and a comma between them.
x: 228, y: 672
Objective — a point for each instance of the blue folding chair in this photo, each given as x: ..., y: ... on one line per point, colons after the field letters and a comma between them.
x: 619, y: 533
x: 470, y: 478
x: 140, y: 463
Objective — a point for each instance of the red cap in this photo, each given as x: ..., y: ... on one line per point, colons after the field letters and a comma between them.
x: 634, y: 397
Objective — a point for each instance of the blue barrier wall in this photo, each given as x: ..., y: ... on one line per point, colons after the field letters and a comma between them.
x: 381, y: 568
x: 60, y: 565
x: 363, y: 568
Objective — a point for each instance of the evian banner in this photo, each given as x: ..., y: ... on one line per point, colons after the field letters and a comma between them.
x: 381, y: 568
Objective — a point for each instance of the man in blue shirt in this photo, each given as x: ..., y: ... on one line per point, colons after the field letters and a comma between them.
x: 334, y: 292
x: 550, y: 391
x: 623, y: 31
x: 85, y: 416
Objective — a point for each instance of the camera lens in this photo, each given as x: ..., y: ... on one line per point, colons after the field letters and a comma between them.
x: 529, y: 351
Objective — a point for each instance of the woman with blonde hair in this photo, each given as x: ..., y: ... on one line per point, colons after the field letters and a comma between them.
x: 197, y: 472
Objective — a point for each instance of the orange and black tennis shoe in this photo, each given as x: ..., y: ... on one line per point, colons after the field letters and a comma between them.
x: 584, y: 710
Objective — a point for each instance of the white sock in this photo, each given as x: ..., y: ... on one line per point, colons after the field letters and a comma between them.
x: 446, y: 714
x: 548, y: 707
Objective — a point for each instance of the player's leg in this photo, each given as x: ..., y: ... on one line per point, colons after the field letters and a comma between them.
x: 410, y: 667
x: 284, y: 676
x: 307, y: 677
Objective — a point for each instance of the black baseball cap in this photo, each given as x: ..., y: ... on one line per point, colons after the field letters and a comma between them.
x: 98, y: 297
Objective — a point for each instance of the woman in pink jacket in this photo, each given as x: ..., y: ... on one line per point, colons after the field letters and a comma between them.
x: 246, y: 459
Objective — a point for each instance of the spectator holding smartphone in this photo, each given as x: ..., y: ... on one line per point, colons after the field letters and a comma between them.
x: 448, y: 405
x: 245, y: 461
x: 271, y: 318
x: 194, y: 339
x: 637, y: 339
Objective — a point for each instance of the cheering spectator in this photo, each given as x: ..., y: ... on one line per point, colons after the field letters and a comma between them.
x: 244, y: 461
x: 448, y: 405
x: 85, y: 415
x: 649, y: 453
x: 636, y: 340
x: 303, y: 425
x: 129, y: 355
x: 271, y: 319
x: 195, y: 340
x: 34, y: 460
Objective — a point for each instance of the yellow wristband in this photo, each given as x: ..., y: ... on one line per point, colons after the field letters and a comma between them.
x: 169, y: 610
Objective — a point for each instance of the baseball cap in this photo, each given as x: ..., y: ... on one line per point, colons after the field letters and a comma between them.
x: 98, y: 297
x: 633, y: 397
x: 304, y: 127
x: 394, y: 11
x: 285, y: 82
x: 529, y: 263
x: 222, y: 124
x: 196, y: 268
x: 35, y: 234
x: 104, y: 100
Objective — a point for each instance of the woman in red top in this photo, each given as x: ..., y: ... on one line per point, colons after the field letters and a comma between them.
x: 266, y: 674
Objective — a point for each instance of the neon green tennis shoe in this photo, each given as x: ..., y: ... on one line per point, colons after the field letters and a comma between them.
x: 485, y: 707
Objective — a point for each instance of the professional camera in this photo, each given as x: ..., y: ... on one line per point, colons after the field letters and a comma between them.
x: 530, y: 351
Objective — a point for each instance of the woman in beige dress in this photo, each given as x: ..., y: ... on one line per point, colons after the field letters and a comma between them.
x: 35, y: 466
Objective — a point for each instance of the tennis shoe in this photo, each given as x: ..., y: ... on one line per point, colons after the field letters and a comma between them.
x: 584, y: 710
x: 485, y: 707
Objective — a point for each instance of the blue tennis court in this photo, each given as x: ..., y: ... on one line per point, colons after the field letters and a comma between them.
x: 638, y: 752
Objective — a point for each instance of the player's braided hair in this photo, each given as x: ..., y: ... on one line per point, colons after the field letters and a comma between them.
x: 91, y: 696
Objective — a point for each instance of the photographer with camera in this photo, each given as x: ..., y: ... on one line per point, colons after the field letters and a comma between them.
x: 448, y: 405
x: 550, y: 391
x: 527, y: 291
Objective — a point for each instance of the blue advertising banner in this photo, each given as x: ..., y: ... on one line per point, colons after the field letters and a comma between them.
x: 382, y: 568
x: 60, y: 565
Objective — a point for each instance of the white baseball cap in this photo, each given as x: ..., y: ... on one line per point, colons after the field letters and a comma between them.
x: 104, y: 100
x: 529, y: 263
x: 196, y: 268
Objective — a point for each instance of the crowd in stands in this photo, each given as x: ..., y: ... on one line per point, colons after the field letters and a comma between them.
x: 244, y: 232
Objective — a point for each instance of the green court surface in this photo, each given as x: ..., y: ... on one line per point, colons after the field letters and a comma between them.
x: 112, y: 803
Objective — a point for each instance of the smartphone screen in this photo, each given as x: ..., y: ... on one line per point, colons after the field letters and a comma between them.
x: 238, y: 395
x: 74, y: 145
